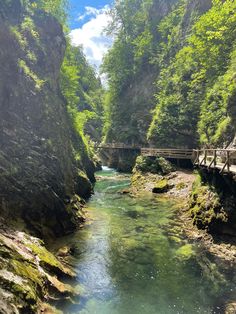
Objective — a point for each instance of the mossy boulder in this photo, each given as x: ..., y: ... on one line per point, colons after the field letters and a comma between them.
x: 48, y: 261
x: 162, y: 186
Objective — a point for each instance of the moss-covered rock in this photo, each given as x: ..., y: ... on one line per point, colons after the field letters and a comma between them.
x: 205, y: 205
x: 162, y: 186
x: 30, y: 275
x: 48, y: 261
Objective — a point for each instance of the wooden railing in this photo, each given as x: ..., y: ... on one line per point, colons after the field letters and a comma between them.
x: 168, y: 153
x: 222, y: 159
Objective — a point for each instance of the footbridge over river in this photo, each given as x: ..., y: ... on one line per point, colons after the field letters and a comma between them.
x: 222, y: 160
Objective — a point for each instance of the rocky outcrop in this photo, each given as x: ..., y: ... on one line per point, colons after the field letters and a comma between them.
x: 31, y: 277
x: 38, y: 172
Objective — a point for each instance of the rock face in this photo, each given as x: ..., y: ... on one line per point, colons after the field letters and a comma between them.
x: 133, y: 117
x: 38, y: 172
x: 213, y: 202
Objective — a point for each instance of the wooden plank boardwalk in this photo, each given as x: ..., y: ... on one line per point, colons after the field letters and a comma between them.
x: 223, y: 160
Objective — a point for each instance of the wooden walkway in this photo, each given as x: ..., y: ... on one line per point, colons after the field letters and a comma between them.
x: 223, y: 160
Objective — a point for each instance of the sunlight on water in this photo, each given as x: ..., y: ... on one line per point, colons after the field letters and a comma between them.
x: 105, y: 168
x: 132, y: 259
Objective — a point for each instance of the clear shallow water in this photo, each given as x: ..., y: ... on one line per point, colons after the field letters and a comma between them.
x: 130, y: 259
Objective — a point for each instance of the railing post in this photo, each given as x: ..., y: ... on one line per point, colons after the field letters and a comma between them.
x: 213, y: 161
x: 196, y: 158
x: 215, y: 156
x: 205, y: 157
x: 228, y: 161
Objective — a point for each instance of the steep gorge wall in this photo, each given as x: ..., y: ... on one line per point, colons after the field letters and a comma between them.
x: 130, y: 122
x: 38, y: 172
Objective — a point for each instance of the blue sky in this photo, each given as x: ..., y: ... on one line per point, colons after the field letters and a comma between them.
x: 87, y: 21
x: 77, y: 7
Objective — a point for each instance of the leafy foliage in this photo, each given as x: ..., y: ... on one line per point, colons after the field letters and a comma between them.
x: 82, y: 90
x: 156, y: 165
x: 185, y: 85
x: 57, y: 8
x: 218, y: 112
x: 134, y: 29
x: 189, y: 47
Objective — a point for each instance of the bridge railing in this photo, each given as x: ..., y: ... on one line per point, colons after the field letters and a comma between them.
x: 223, y: 159
x: 169, y: 153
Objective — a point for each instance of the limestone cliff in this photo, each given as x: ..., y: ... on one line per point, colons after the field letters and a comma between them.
x: 38, y: 171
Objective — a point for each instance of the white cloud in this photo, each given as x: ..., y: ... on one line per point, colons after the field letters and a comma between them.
x: 88, y: 12
x: 91, y: 35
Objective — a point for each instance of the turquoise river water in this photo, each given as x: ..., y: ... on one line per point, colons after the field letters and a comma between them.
x: 131, y: 259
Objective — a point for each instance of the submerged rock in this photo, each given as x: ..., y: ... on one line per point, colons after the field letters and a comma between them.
x: 185, y: 251
x: 126, y: 191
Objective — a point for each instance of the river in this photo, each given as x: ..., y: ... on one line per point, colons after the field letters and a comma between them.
x: 130, y: 259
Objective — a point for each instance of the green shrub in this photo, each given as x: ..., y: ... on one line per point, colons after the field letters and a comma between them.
x: 158, y: 165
